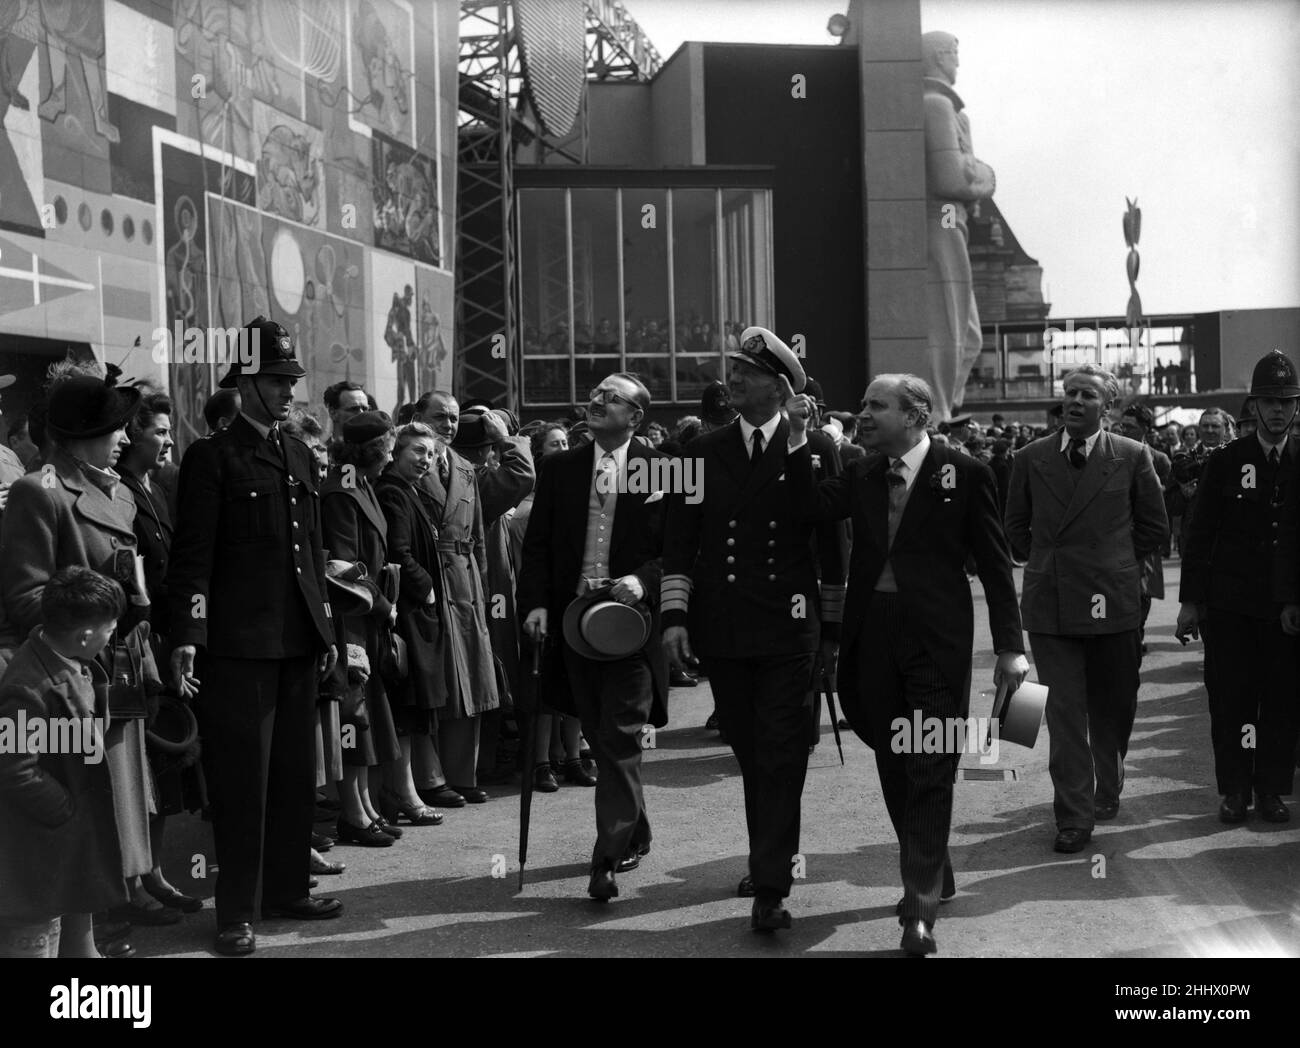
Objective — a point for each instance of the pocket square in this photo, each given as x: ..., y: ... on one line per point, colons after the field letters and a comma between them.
x: 655, y: 497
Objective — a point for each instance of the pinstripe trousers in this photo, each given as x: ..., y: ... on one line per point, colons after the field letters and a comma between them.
x: 900, y: 677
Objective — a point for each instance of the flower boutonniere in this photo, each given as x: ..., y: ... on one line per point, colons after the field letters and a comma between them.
x: 943, y: 481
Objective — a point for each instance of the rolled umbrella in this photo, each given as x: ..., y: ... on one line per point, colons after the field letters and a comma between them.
x: 828, y: 689
x: 530, y: 759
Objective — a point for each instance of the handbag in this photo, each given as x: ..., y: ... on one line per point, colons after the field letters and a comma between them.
x: 394, y: 662
x: 127, y: 697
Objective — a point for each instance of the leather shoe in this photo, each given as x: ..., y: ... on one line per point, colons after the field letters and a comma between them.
x: 308, y: 908
x: 235, y: 940
x: 602, y: 886
x: 632, y: 859
x: 369, y: 836
x: 768, y: 915
x: 681, y: 679
x: 144, y: 916
x: 918, y: 939
x: 441, y: 797
x: 1105, y: 812
x: 1072, y: 840
x: 321, y: 842
x: 712, y: 723
x: 384, y: 826
x: 472, y: 794
x: 1233, y: 808
x: 576, y: 774
x: 544, y: 779
x: 745, y: 889
x: 325, y: 867
x: 1270, y: 807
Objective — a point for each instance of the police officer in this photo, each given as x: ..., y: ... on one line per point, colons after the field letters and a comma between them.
x: 740, y: 591
x: 1232, y: 593
x: 246, y: 585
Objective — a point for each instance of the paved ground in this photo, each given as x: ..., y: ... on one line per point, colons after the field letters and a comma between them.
x: 1165, y: 879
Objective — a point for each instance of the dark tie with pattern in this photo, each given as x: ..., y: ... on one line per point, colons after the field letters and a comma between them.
x: 1273, y: 457
x: 1075, y: 452
x: 897, y: 496
x: 444, y: 471
x: 273, y: 435
x: 758, y: 448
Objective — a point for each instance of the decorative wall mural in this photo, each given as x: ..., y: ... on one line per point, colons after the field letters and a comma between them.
x: 193, y: 163
x: 290, y: 175
x: 406, y: 201
x: 380, y: 62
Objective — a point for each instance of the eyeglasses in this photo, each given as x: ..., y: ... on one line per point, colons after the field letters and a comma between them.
x: 608, y: 396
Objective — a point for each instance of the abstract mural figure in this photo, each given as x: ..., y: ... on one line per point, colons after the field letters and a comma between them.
x: 397, y: 333
x: 432, y: 349
x: 288, y: 176
x: 76, y: 63
x: 387, y: 100
x: 406, y: 213
x: 954, y: 179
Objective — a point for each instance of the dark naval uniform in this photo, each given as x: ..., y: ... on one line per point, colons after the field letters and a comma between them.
x: 1234, y: 570
x: 740, y: 573
x: 246, y: 587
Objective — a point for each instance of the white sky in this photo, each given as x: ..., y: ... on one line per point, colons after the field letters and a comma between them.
x: 1192, y: 107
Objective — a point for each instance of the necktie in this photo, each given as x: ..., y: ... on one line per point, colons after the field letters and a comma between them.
x: 273, y: 435
x: 444, y: 471
x: 605, y: 478
x: 1075, y: 452
x: 897, y: 496
x: 1272, y: 457
x: 758, y: 448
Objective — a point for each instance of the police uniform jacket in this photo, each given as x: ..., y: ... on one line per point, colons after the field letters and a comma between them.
x: 1232, y: 559
x: 247, y: 572
x: 740, y: 571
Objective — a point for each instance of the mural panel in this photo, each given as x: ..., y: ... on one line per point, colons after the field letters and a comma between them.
x: 406, y: 201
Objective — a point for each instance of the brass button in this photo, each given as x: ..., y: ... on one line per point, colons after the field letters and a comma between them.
x: 731, y: 542
x: 771, y: 543
x: 770, y: 560
x: 731, y: 523
x: 771, y: 524
x: 295, y: 547
x: 298, y: 570
x: 731, y: 560
x: 253, y: 495
x: 731, y: 578
x: 771, y: 578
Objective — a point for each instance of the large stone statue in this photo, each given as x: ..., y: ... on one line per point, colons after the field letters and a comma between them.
x: 954, y: 178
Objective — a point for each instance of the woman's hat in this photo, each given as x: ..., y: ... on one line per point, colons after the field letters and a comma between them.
x: 82, y: 406
x: 350, y: 591
x: 367, y: 425
x: 174, y: 729
x: 604, y: 629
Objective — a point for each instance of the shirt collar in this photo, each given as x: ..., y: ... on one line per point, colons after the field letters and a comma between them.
x: 105, y: 479
x: 619, y: 454
x: 263, y: 431
x: 768, y: 428
x: 1088, y: 443
x: 911, y: 461
x: 1281, y: 448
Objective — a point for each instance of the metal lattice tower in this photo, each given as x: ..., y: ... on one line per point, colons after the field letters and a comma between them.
x: 496, y: 126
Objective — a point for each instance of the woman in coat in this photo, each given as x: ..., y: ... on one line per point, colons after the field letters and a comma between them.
x: 356, y: 532
x: 77, y: 511
x: 412, y: 544
x: 176, y: 781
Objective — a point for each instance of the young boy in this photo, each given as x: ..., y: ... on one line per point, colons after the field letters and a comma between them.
x: 59, y: 855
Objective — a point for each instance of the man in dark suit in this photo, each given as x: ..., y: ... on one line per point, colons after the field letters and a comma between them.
x: 1085, y: 508
x: 594, y: 522
x: 1235, y: 580
x: 739, y: 570
x: 919, y: 511
x: 246, y: 585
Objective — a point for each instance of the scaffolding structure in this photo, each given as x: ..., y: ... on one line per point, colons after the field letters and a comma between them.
x: 496, y: 126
